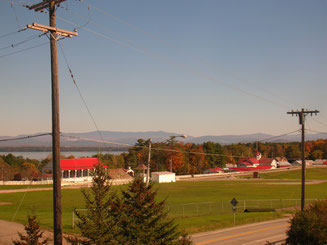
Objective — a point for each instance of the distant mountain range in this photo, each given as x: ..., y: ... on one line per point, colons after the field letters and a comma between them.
x: 123, y: 139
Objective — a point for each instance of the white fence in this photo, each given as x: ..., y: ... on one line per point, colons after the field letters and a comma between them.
x: 64, y: 182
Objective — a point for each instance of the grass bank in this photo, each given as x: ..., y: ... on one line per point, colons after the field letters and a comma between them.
x: 40, y: 202
x: 311, y: 174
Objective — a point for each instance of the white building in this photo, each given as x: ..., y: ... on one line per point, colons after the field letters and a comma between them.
x: 163, y: 177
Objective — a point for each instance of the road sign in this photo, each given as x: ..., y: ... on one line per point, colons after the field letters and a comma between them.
x: 234, y: 202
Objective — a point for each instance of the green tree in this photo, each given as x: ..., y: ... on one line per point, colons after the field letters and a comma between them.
x: 215, y: 160
x: 33, y: 234
x: 310, y: 226
x: 316, y: 154
x: 99, y: 223
x: 143, y: 220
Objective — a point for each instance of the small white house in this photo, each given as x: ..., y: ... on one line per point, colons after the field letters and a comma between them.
x: 163, y: 177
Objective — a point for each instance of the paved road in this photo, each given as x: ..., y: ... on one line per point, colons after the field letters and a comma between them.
x: 252, y: 234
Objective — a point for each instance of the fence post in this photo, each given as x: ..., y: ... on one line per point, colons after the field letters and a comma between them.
x: 244, y: 205
x: 197, y: 209
x: 73, y: 225
x: 183, y: 210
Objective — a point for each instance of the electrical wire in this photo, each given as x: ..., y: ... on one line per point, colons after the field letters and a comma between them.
x: 33, y: 47
x: 169, y: 44
x: 322, y: 123
x: 12, y: 33
x: 153, y: 148
x: 98, y: 25
x: 184, y: 67
x: 14, y: 10
x: 317, y: 131
x: 25, y: 137
x: 79, y: 92
x: 279, y: 136
x: 14, y: 45
x: 28, y: 187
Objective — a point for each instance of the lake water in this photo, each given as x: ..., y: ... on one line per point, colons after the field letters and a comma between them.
x: 42, y: 155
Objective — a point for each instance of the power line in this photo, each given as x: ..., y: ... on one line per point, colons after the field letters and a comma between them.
x: 14, y: 10
x: 183, y: 66
x: 12, y: 33
x: 146, y: 147
x: 39, y: 45
x: 186, y: 68
x: 21, y: 42
x: 279, y: 136
x: 79, y: 91
x: 25, y: 137
x: 322, y: 123
x: 167, y: 43
x: 317, y: 131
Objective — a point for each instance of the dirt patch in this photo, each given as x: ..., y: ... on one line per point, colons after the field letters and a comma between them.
x: 5, y: 203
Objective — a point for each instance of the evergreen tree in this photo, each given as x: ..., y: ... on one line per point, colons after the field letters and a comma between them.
x: 143, y: 220
x: 33, y: 234
x: 98, y: 223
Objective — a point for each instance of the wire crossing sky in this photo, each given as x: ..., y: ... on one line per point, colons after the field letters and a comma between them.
x: 192, y: 67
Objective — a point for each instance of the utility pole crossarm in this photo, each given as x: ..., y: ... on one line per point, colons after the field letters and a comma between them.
x: 43, y: 5
x: 303, y: 111
x: 58, y: 31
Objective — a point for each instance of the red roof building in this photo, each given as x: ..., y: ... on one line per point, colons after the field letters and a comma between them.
x: 74, y: 168
x: 80, y: 163
x: 213, y: 171
x: 256, y: 161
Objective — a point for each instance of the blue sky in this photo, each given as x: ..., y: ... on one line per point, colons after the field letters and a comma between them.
x: 194, y: 67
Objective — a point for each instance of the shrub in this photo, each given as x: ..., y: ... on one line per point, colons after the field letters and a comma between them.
x: 33, y: 234
x: 310, y: 226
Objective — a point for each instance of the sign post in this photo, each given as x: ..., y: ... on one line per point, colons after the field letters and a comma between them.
x: 234, y: 202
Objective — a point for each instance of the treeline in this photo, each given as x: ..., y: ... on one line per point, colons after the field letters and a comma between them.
x: 186, y: 158
x: 17, y: 168
x: 192, y: 158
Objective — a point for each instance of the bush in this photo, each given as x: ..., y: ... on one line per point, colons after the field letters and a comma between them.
x: 310, y: 226
x: 33, y: 234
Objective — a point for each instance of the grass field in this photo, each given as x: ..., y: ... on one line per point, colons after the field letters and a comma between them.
x: 311, y: 174
x: 40, y: 202
x: 15, y: 187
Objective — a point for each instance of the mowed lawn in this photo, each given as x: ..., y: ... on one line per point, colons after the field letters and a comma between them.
x: 40, y: 202
x: 15, y: 187
x: 310, y: 174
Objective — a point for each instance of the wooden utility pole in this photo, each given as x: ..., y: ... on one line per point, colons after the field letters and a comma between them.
x: 302, y: 114
x: 51, y: 5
